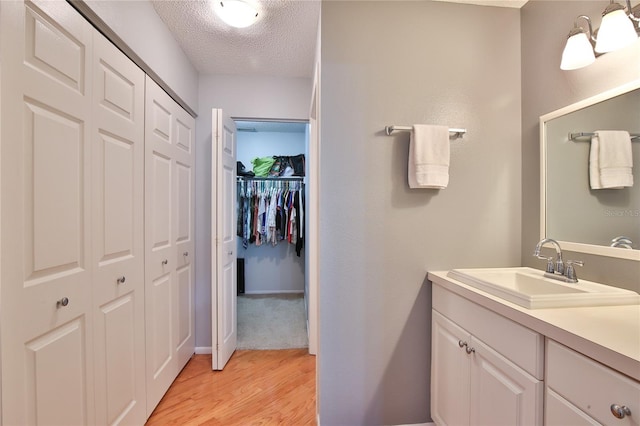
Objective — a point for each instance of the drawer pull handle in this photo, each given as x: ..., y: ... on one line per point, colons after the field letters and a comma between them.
x: 470, y: 350
x: 462, y: 344
x: 121, y: 280
x: 164, y: 262
x: 65, y: 301
x: 620, y: 411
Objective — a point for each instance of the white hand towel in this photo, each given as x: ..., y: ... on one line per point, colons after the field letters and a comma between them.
x: 610, y: 160
x: 429, y: 157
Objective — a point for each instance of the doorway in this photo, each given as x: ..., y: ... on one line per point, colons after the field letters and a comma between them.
x: 224, y: 303
x: 273, y: 296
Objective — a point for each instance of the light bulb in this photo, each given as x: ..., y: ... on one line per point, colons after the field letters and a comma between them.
x: 616, y: 30
x: 236, y: 13
x: 577, y: 52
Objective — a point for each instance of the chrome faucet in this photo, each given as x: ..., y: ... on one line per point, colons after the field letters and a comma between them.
x: 556, y: 269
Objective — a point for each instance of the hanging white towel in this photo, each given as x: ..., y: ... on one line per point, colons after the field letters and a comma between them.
x: 610, y: 160
x: 429, y: 157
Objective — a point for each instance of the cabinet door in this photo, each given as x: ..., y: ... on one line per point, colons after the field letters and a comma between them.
x: 47, y: 371
x: 501, y: 392
x: 118, y: 235
x: 450, y: 373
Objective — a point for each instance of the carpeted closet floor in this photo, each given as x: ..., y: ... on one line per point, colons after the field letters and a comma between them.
x: 272, y: 321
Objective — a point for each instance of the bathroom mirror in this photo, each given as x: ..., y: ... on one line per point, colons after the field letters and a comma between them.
x: 582, y: 219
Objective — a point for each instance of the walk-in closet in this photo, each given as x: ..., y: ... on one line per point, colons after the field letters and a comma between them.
x: 270, y: 213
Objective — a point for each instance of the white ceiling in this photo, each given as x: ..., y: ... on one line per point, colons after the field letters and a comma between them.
x: 282, y: 42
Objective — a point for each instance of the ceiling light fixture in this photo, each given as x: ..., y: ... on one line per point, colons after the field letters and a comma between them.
x: 616, y: 31
x: 237, y: 13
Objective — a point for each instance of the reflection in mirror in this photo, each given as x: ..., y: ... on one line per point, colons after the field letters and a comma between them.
x: 597, y: 221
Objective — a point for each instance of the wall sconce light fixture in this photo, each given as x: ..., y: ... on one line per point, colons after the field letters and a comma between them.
x: 617, y: 30
x: 237, y: 13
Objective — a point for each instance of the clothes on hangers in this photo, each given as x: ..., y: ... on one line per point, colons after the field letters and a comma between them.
x: 270, y: 212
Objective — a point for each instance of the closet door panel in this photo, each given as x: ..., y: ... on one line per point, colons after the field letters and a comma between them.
x: 118, y: 235
x: 169, y: 229
x: 184, y: 208
x: 45, y: 247
x: 55, y: 46
x: 120, y: 399
x: 55, y: 358
x: 184, y: 326
x: 160, y: 309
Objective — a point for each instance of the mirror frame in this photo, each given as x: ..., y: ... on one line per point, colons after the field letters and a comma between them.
x: 619, y: 253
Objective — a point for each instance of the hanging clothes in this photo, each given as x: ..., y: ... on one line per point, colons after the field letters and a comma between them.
x: 270, y: 212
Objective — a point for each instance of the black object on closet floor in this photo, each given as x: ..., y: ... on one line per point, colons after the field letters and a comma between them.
x: 240, y: 275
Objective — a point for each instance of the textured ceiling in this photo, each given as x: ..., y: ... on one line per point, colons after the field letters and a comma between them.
x: 281, y: 43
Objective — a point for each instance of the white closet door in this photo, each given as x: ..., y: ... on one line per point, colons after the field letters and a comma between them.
x: 224, y: 291
x: 169, y: 210
x: 47, y: 375
x: 184, y: 225
x: 118, y: 235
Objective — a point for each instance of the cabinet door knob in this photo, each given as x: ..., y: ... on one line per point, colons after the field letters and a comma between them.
x: 469, y: 350
x: 164, y: 262
x: 186, y: 253
x: 462, y: 344
x: 65, y: 301
x: 620, y: 411
x: 121, y: 280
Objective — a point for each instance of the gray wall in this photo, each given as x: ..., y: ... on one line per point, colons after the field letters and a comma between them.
x: 240, y: 97
x: 546, y: 88
x: 403, y: 63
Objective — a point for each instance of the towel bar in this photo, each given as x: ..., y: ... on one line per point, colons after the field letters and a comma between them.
x: 457, y: 133
x: 575, y: 135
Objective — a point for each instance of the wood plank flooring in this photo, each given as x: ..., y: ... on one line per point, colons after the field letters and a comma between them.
x: 255, y: 388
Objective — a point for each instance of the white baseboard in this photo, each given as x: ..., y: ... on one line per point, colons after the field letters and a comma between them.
x: 203, y: 350
x: 275, y: 292
x: 419, y: 424
x: 413, y: 424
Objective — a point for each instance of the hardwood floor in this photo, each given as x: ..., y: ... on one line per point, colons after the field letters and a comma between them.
x: 255, y: 388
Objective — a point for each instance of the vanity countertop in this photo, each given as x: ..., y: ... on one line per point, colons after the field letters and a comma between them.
x: 608, y: 334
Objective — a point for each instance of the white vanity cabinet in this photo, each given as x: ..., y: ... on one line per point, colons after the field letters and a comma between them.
x: 485, y: 369
x: 581, y: 391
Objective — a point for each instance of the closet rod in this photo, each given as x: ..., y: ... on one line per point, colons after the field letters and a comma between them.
x: 281, y: 179
x: 573, y: 136
x: 457, y: 133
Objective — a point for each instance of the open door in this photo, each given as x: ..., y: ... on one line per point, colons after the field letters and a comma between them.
x: 223, y: 204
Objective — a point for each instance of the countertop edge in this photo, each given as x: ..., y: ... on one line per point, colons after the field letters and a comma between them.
x: 616, y: 360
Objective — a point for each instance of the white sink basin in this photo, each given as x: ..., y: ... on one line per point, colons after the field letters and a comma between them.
x: 530, y: 289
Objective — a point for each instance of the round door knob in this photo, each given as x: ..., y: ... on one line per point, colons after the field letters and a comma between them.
x: 469, y: 350
x: 186, y: 253
x: 230, y: 253
x: 462, y: 344
x: 164, y: 262
x: 62, y: 302
x: 620, y: 411
x: 121, y: 280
